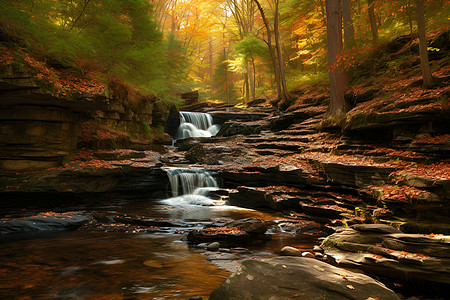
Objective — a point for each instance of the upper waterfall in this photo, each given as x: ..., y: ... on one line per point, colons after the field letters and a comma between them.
x: 196, y: 124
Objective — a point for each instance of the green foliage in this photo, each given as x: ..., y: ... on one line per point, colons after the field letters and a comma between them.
x: 250, y: 47
x: 223, y: 81
x: 298, y: 78
x: 117, y: 38
x: 146, y: 127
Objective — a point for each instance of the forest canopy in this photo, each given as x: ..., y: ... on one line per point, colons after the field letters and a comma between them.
x: 115, y: 38
x: 233, y: 50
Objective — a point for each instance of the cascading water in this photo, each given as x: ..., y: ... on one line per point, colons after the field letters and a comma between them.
x: 196, y: 124
x: 191, y: 187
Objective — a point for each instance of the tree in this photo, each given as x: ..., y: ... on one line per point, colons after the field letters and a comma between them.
x: 373, y: 21
x: 276, y: 56
x: 270, y: 46
x: 276, y: 29
x: 243, y: 12
x: 111, y: 38
x: 338, y: 105
x: 424, y: 64
x: 223, y: 85
x: 349, y: 30
x: 349, y: 33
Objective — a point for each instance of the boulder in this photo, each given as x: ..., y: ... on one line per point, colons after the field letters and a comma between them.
x: 214, y: 246
x: 44, y: 222
x: 290, y: 251
x: 240, y: 232
x: 230, y: 128
x: 189, y: 97
x: 249, y: 225
x: 298, y: 277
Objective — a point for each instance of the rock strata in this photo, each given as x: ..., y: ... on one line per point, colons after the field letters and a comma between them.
x: 384, y: 251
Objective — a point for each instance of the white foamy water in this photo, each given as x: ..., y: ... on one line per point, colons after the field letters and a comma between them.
x: 196, y: 124
x: 191, y: 187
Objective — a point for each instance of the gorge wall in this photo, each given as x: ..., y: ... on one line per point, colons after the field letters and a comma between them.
x: 40, y: 128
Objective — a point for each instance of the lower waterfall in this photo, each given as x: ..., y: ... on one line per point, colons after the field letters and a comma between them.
x: 191, y: 187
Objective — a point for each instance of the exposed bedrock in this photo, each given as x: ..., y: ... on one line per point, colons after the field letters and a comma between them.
x: 385, y: 251
x: 283, y: 278
x: 39, y: 129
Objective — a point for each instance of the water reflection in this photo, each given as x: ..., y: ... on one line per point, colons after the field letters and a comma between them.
x: 91, y: 264
x: 83, y: 265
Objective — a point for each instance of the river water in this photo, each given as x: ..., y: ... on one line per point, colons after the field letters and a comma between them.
x: 94, y: 264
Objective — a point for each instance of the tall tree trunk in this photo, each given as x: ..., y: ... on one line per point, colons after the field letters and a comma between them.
x: 254, y: 78
x: 271, y: 50
x: 173, y: 23
x: 373, y: 21
x: 246, y: 89
x: 276, y: 29
x: 349, y: 35
x: 250, y: 80
x: 410, y: 20
x: 424, y: 63
x: 211, y: 63
x: 228, y: 84
x: 349, y: 30
x: 338, y: 105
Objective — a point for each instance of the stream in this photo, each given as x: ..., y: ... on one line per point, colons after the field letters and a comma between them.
x: 91, y: 264
x: 112, y: 261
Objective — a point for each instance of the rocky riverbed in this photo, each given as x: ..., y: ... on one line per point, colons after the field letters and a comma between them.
x: 370, y: 191
x: 322, y: 183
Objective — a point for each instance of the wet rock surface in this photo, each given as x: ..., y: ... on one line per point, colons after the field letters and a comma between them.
x: 235, y: 233
x: 292, y: 277
x: 44, y: 222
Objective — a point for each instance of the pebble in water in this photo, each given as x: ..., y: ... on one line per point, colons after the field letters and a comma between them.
x: 213, y: 246
x: 290, y: 251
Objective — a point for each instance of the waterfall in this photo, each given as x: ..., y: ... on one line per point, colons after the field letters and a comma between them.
x: 191, y: 187
x: 196, y: 124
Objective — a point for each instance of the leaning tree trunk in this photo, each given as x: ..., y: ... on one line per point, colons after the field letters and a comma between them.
x: 271, y: 50
x: 424, y: 63
x: 338, y: 83
x: 373, y: 21
x: 276, y: 29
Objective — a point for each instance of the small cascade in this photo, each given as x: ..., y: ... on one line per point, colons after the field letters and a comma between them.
x: 191, y: 187
x: 196, y: 124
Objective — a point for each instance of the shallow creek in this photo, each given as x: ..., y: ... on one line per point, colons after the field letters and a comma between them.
x: 95, y: 264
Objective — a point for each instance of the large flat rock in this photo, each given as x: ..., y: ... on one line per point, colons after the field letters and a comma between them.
x: 298, y: 278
